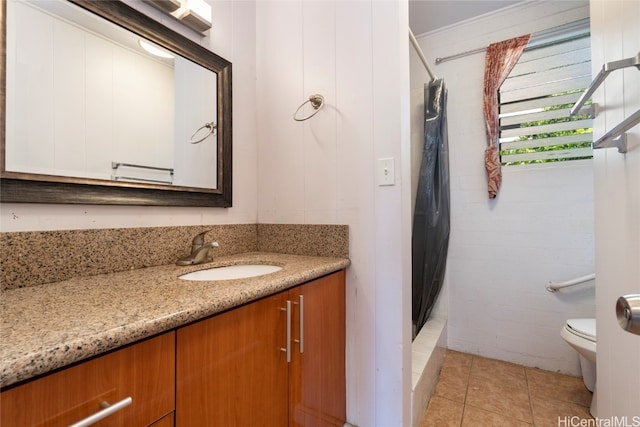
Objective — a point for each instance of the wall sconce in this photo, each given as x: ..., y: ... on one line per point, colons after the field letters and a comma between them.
x: 196, y: 14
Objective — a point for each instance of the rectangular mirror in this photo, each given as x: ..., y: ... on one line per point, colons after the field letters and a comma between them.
x: 106, y: 106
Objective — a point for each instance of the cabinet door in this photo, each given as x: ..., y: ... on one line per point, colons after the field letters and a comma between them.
x: 317, y: 375
x: 166, y: 421
x: 231, y: 370
x: 143, y: 371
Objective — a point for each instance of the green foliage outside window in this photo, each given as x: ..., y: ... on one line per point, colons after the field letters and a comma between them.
x: 584, y: 144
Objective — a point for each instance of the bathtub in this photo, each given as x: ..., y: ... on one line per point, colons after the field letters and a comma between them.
x: 427, y: 353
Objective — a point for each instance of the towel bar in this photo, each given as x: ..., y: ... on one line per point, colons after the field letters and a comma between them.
x: 116, y: 177
x: 604, y: 72
x: 617, y: 137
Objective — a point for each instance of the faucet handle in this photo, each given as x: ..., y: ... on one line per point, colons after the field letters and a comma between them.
x: 198, y: 241
x: 199, y: 255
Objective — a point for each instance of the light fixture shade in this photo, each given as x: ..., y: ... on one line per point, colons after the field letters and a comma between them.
x: 154, y: 50
x: 165, y: 5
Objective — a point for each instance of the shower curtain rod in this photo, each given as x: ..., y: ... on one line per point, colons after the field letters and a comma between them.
x: 460, y: 55
x: 482, y: 49
x: 416, y: 46
x: 576, y: 30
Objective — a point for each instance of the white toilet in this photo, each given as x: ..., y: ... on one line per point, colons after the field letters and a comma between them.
x: 581, y: 335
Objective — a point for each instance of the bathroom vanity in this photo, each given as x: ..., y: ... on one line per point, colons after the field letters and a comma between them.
x: 231, y: 352
x: 239, y: 368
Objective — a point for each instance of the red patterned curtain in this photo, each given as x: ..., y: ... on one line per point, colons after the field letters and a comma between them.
x: 500, y: 60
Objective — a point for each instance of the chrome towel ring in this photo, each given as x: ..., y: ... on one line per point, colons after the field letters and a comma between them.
x: 317, y: 101
x: 211, y: 126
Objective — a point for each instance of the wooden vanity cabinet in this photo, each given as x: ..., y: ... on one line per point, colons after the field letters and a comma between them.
x: 166, y: 421
x: 317, y: 378
x: 144, y: 371
x: 230, y: 370
x: 233, y: 369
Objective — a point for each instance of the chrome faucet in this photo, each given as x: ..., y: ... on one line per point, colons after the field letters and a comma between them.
x: 199, y: 250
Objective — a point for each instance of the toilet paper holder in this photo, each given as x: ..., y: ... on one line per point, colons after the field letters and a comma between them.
x: 628, y: 313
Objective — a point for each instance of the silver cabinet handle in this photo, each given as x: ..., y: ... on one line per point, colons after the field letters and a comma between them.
x: 300, y: 305
x: 301, y: 321
x: 628, y: 313
x: 104, y: 413
x: 287, y: 349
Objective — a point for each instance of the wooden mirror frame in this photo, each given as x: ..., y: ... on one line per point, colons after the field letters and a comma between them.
x: 34, y: 188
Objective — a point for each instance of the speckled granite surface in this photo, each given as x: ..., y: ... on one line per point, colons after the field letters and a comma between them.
x: 72, y: 294
x: 35, y: 258
x: 304, y: 239
x: 46, y: 327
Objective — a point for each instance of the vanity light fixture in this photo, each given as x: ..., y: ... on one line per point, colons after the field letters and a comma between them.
x: 154, y: 50
x: 166, y: 5
x: 196, y: 14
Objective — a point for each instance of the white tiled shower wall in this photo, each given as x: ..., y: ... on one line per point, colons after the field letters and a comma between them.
x: 540, y: 228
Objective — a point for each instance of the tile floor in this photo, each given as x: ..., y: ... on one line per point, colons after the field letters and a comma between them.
x: 476, y: 391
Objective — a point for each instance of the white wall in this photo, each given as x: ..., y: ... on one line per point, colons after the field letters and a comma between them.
x: 323, y: 170
x: 540, y: 228
x: 616, y: 35
x: 320, y: 171
x: 75, y: 87
x: 192, y: 161
x: 232, y: 37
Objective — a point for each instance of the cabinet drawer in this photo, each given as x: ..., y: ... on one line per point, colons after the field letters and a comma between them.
x: 145, y: 372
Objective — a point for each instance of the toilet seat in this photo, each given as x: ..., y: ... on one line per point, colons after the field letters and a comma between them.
x: 584, y: 328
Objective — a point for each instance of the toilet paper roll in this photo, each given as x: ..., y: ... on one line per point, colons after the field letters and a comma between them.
x: 628, y: 313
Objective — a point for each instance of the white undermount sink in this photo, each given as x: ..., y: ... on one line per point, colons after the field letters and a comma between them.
x: 240, y: 271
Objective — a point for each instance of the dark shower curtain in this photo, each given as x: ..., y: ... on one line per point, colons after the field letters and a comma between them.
x: 430, y: 238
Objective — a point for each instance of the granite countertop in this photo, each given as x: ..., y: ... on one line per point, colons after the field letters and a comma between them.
x: 50, y: 326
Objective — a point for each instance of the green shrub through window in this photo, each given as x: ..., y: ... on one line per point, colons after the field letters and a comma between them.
x: 535, y: 100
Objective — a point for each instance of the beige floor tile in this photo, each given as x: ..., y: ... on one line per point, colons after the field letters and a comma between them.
x: 454, y: 376
x: 508, y: 397
x: 456, y: 359
x: 499, y: 387
x: 474, y: 391
x: 452, y: 384
x: 551, y: 385
x: 556, y: 413
x: 476, y: 417
x: 442, y: 413
x: 497, y: 370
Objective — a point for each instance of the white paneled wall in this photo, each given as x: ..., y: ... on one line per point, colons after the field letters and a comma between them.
x: 193, y: 93
x: 323, y: 170
x: 79, y: 86
x: 319, y: 171
x: 233, y: 37
x: 616, y: 35
x: 540, y: 228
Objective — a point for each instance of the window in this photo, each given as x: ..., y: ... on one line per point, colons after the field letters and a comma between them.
x: 535, y: 100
